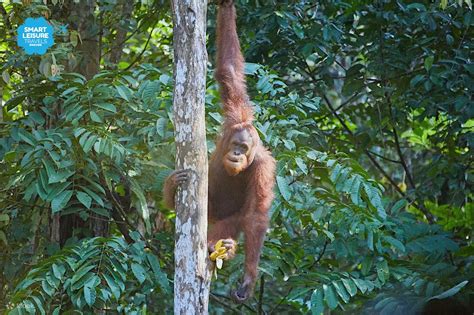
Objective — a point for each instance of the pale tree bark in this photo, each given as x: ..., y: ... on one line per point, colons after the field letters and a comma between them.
x: 192, y: 273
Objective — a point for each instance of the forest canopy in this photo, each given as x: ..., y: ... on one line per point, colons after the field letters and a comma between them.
x: 367, y: 107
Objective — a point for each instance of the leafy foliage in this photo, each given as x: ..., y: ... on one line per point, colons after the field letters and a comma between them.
x: 97, y: 274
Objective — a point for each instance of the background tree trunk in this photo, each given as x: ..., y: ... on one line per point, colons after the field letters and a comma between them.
x: 80, y: 17
x: 192, y: 274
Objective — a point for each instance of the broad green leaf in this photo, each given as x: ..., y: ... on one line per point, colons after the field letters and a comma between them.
x: 317, y: 306
x: 361, y: 284
x: 107, y: 106
x: 60, y: 201
x: 370, y: 239
x: 395, y: 243
x: 400, y: 204
x: 124, y: 92
x: 113, y: 286
x: 139, y: 272
x: 341, y: 291
x: 39, y: 304
x: 94, y: 196
x: 60, y: 176
x: 451, y: 291
x: 58, y: 271
x: 89, y: 143
x: 350, y: 286
x: 89, y: 295
x: 4, y: 217
x: 330, y: 297
x: 95, y: 117
x: 355, y: 191
x: 161, y: 124
x: 158, y: 273
x: 302, y: 165
x: 283, y: 187
x: 428, y: 62
x: 84, y: 198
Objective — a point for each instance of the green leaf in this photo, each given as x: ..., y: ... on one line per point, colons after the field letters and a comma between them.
x: 355, y: 191
x: 47, y: 288
x: 94, y: 196
x: 58, y: 271
x: 68, y: 91
x: 417, y: 79
x: 428, y: 62
x: 39, y: 305
x: 84, y: 198
x: 302, y: 165
x: 341, y: 291
x: 113, y: 286
x: 451, y: 291
x: 161, y: 124
x: 60, y: 176
x: 89, y: 295
x: 4, y: 217
x: 329, y: 296
x: 370, y: 239
x: 317, y: 306
x: 383, y: 271
x: 283, y: 187
x: 139, y: 272
x: 81, y: 272
x: 89, y: 143
x: 395, y: 243
x: 329, y: 235
x: 124, y: 92
x: 350, y: 286
x: 400, y: 204
x: 95, y: 117
x: 360, y: 283
x: 158, y: 273
x: 60, y: 201
x: 107, y: 106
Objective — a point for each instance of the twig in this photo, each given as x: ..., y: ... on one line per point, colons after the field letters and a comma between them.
x: 228, y: 298
x: 281, y: 301
x: 215, y: 298
x: 384, y: 157
x: 143, y: 50
x: 321, y: 254
x: 260, y: 298
x: 429, y: 216
x: 377, y: 165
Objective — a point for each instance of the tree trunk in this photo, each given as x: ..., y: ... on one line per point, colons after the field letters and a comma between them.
x: 192, y: 274
x: 80, y: 16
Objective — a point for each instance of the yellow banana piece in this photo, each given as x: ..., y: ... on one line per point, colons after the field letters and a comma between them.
x: 220, y: 252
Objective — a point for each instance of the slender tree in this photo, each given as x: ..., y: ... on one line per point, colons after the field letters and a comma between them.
x: 192, y: 276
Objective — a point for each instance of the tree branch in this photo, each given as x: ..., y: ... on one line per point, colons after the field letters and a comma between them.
x: 260, y: 297
x: 429, y: 216
x: 377, y: 165
x: 384, y: 157
x: 143, y: 50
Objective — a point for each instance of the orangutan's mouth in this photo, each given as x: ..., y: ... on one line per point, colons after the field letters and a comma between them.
x: 234, y: 160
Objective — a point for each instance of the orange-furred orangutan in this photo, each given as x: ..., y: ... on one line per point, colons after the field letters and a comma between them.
x: 241, y: 170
